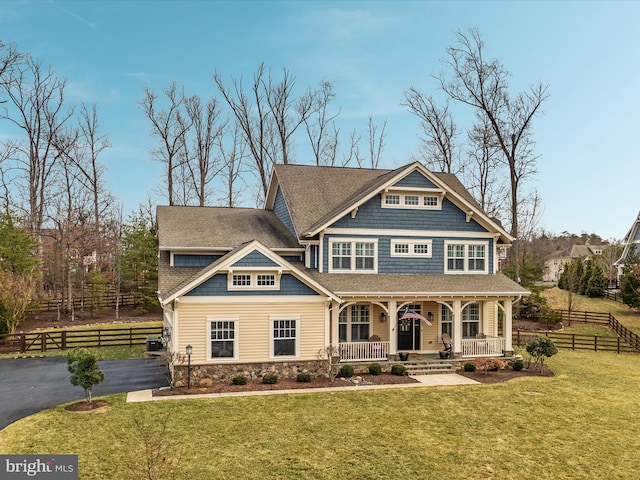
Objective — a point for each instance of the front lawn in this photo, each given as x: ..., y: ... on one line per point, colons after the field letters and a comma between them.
x: 581, y: 424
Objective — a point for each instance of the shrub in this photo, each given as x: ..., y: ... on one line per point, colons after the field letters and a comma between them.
x: 239, y: 380
x: 541, y: 347
x: 375, y: 369
x: 469, y: 367
x: 270, y: 378
x: 303, y: 377
x: 518, y: 364
x: 346, y: 371
x: 489, y: 364
x: 398, y: 370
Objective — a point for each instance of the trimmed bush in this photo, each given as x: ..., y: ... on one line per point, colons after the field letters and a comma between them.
x: 518, y: 365
x: 270, y: 378
x: 303, y: 377
x: 346, y: 371
x: 239, y: 380
x: 469, y: 367
x: 375, y: 369
x: 398, y: 370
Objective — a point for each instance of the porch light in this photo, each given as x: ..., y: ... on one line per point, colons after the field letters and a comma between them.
x: 383, y: 317
x: 430, y: 316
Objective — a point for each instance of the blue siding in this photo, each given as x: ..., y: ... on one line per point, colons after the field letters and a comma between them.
x: 415, y: 180
x: 182, y: 260
x: 217, y: 286
x: 371, y: 215
x: 282, y: 212
x: 389, y: 264
x: 255, y: 259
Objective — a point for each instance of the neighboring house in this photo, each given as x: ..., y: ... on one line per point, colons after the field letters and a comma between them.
x: 554, y: 263
x: 630, y: 241
x: 333, y: 261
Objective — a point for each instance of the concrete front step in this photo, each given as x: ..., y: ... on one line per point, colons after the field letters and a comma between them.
x: 425, y: 368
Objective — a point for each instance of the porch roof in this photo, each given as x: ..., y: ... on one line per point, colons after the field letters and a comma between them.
x: 347, y: 284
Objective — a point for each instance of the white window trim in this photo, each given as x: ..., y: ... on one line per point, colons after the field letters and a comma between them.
x: 421, y: 194
x: 466, y: 257
x: 254, y: 280
x: 273, y: 318
x: 236, y: 336
x: 353, y: 242
x: 412, y: 243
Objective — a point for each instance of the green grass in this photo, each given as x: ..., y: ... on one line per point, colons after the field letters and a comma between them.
x: 557, y: 299
x: 581, y: 424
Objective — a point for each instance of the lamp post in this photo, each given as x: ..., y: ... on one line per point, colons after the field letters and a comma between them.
x: 189, y: 351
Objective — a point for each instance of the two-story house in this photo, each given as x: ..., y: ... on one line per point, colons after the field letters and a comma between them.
x: 334, y: 260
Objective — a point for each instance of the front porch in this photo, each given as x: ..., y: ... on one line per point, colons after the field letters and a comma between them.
x: 380, y: 350
x: 371, y: 331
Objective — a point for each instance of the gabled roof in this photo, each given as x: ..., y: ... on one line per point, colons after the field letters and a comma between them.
x: 189, y: 228
x: 575, y: 251
x: 195, y: 278
x: 318, y: 196
x: 631, y: 238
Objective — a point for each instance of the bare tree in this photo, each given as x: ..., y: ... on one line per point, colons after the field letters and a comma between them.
x: 233, y: 167
x: 439, y: 130
x: 376, y: 142
x: 483, y: 85
x: 320, y: 126
x: 36, y: 98
x: 170, y: 127
x: 255, y: 121
x: 353, y: 154
x: 283, y: 104
x: 482, y: 173
x: 208, y: 130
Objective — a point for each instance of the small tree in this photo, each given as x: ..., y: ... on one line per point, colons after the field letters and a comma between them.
x: 84, y: 370
x: 540, y: 348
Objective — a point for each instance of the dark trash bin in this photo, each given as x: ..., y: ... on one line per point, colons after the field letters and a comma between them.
x: 153, y: 344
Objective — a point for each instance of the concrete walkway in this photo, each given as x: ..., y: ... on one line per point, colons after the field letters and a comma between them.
x: 444, y: 379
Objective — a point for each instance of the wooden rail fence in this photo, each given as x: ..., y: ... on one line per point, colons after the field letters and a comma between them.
x: 625, y: 341
x: 65, y: 339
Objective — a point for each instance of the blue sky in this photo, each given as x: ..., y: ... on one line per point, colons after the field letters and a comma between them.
x: 372, y: 52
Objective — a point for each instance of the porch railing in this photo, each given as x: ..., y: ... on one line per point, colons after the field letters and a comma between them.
x: 483, y: 347
x: 364, y: 351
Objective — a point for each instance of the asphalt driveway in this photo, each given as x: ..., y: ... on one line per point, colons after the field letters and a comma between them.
x: 29, y: 385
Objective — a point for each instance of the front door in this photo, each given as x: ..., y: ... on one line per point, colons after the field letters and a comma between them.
x: 409, y: 334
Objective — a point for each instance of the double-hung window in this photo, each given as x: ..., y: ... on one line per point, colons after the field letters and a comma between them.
x: 466, y: 257
x: 471, y: 320
x: 354, y: 324
x: 353, y: 256
x: 223, y: 336
x: 285, y: 337
x: 360, y: 323
x: 446, y: 320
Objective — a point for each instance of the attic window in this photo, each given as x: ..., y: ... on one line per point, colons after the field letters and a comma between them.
x: 412, y: 199
x: 253, y: 281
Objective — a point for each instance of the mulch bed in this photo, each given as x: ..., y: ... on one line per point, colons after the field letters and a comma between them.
x: 287, y: 384
x: 83, y: 407
x: 506, y: 374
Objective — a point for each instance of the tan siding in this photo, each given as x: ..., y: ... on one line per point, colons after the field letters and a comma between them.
x: 492, y: 320
x: 253, y: 327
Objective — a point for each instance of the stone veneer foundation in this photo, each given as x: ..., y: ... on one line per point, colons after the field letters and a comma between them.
x: 205, y: 375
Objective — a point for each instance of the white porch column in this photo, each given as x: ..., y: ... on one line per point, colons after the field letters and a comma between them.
x: 508, y: 325
x: 485, y: 320
x: 335, y: 326
x: 456, y: 327
x: 393, y: 327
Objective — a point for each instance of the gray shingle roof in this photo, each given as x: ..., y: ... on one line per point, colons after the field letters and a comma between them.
x: 316, y: 194
x: 470, y: 285
x: 200, y: 227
